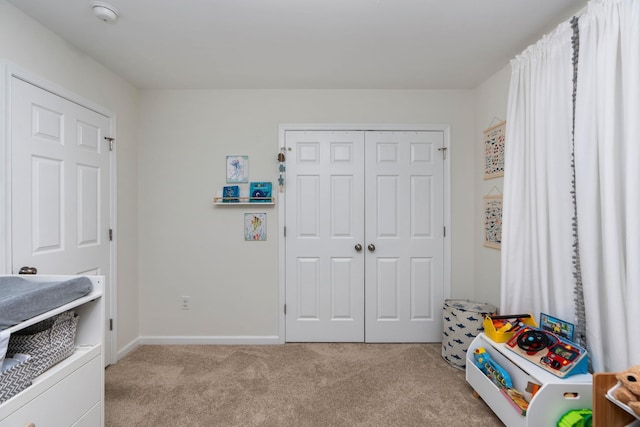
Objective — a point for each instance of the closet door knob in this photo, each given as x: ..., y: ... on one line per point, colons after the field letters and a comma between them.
x: 358, y: 247
x: 371, y: 247
x: 28, y: 270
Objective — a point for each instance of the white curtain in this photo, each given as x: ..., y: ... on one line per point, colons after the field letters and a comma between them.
x: 537, y: 268
x: 607, y: 163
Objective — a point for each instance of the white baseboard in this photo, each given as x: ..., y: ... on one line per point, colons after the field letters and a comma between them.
x: 208, y: 340
x: 128, y: 349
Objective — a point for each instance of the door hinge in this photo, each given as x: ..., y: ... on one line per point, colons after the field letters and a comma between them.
x: 111, y: 324
x: 444, y: 152
x: 110, y: 141
x: 444, y: 231
x: 285, y: 231
x: 285, y: 309
x: 111, y: 234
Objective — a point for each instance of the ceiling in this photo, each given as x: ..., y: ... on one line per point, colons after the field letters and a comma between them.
x: 304, y: 44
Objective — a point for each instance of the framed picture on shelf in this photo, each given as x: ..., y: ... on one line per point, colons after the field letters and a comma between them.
x: 260, y: 192
x: 230, y: 194
x: 255, y: 226
x: 237, y: 169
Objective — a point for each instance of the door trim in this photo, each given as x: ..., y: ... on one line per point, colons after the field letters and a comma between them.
x: 7, y: 72
x: 283, y: 128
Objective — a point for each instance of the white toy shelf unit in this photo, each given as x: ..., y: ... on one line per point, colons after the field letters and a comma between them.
x: 554, y: 397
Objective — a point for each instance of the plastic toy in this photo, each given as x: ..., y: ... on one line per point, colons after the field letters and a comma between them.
x: 549, y: 351
x: 502, y: 328
x: 491, y: 369
x: 576, y: 418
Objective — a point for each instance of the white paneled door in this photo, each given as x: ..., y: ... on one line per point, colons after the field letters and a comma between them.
x: 324, y: 229
x: 364, y: 238
x: 404, y: 267
x: 60, y: 173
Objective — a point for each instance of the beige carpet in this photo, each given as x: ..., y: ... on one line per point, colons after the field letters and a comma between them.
x: 291, y: 385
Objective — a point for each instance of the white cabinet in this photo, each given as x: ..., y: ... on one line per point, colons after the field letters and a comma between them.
x: 555, y: 397
x: 70, y: 393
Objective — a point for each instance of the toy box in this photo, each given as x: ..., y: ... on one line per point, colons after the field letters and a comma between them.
x: 502, y: 328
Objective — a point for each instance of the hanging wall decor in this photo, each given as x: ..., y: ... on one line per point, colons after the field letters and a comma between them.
x: 493, y: 221
x: 494, y: 151
x: 281, y: 169
x: 237, y: 169
x: 255, y: 226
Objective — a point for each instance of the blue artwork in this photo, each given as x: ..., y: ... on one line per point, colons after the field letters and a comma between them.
x: 237, y: 168
x: 260, y: 192
x: 230, y: 194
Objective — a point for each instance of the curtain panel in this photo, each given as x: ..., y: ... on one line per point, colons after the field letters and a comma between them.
x: 607, y: 168
x: 537, y: 236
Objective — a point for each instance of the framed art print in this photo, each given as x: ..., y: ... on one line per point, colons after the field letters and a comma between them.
x: 494, y: 151
x: 493, y: 221
x: 260, y: 192
x: 230, y: 194
x: 237, y: 169
x: 255, y: 226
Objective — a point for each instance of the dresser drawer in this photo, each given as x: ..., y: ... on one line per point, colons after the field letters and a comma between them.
x: 65, y: 402
x: 93, y: 418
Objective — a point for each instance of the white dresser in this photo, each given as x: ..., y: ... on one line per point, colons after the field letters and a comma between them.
x: 70, y: 393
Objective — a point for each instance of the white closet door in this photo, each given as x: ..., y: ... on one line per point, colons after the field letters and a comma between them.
x: 60, y: 184
x: 364, y: 222
x: 60, y: 209
x: 324, y: 225
x: 404, y: 236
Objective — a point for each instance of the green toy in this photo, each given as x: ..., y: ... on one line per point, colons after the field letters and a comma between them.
x: 576, y: 418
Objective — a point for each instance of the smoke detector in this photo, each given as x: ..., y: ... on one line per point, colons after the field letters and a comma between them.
x: 104, y: 11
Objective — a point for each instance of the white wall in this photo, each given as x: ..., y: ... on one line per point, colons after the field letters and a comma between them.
x: 27, y: 44
x: 490, y: 103
x: 189, y: 247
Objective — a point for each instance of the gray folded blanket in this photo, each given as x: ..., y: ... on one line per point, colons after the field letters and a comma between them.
x: 21, y: 299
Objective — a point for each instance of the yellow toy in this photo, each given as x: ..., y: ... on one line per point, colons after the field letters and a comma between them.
x: 629, y: 390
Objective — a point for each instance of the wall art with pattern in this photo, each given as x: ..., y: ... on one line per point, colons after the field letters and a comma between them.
x: 255, y: 226
x: 493, y: 221
x: 494, y: 151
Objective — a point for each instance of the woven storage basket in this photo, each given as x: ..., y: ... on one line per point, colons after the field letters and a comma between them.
x: 47, y: 342
x: 16, y: 379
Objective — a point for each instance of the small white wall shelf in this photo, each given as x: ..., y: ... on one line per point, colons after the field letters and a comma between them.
x: 244, y: 201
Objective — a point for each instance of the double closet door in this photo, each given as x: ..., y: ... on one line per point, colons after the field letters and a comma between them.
x: 364, y: 224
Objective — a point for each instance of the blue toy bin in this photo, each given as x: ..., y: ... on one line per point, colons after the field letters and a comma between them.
x: 461, y: 323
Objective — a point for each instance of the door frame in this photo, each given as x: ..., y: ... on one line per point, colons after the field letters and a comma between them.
x: 7, y: 72
x: 283, y: 128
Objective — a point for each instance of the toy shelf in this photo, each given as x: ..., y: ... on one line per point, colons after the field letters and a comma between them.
x: 555, y: 397
x: 244, y: 201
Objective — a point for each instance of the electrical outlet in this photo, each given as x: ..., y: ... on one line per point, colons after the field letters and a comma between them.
x: 185, y: 302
